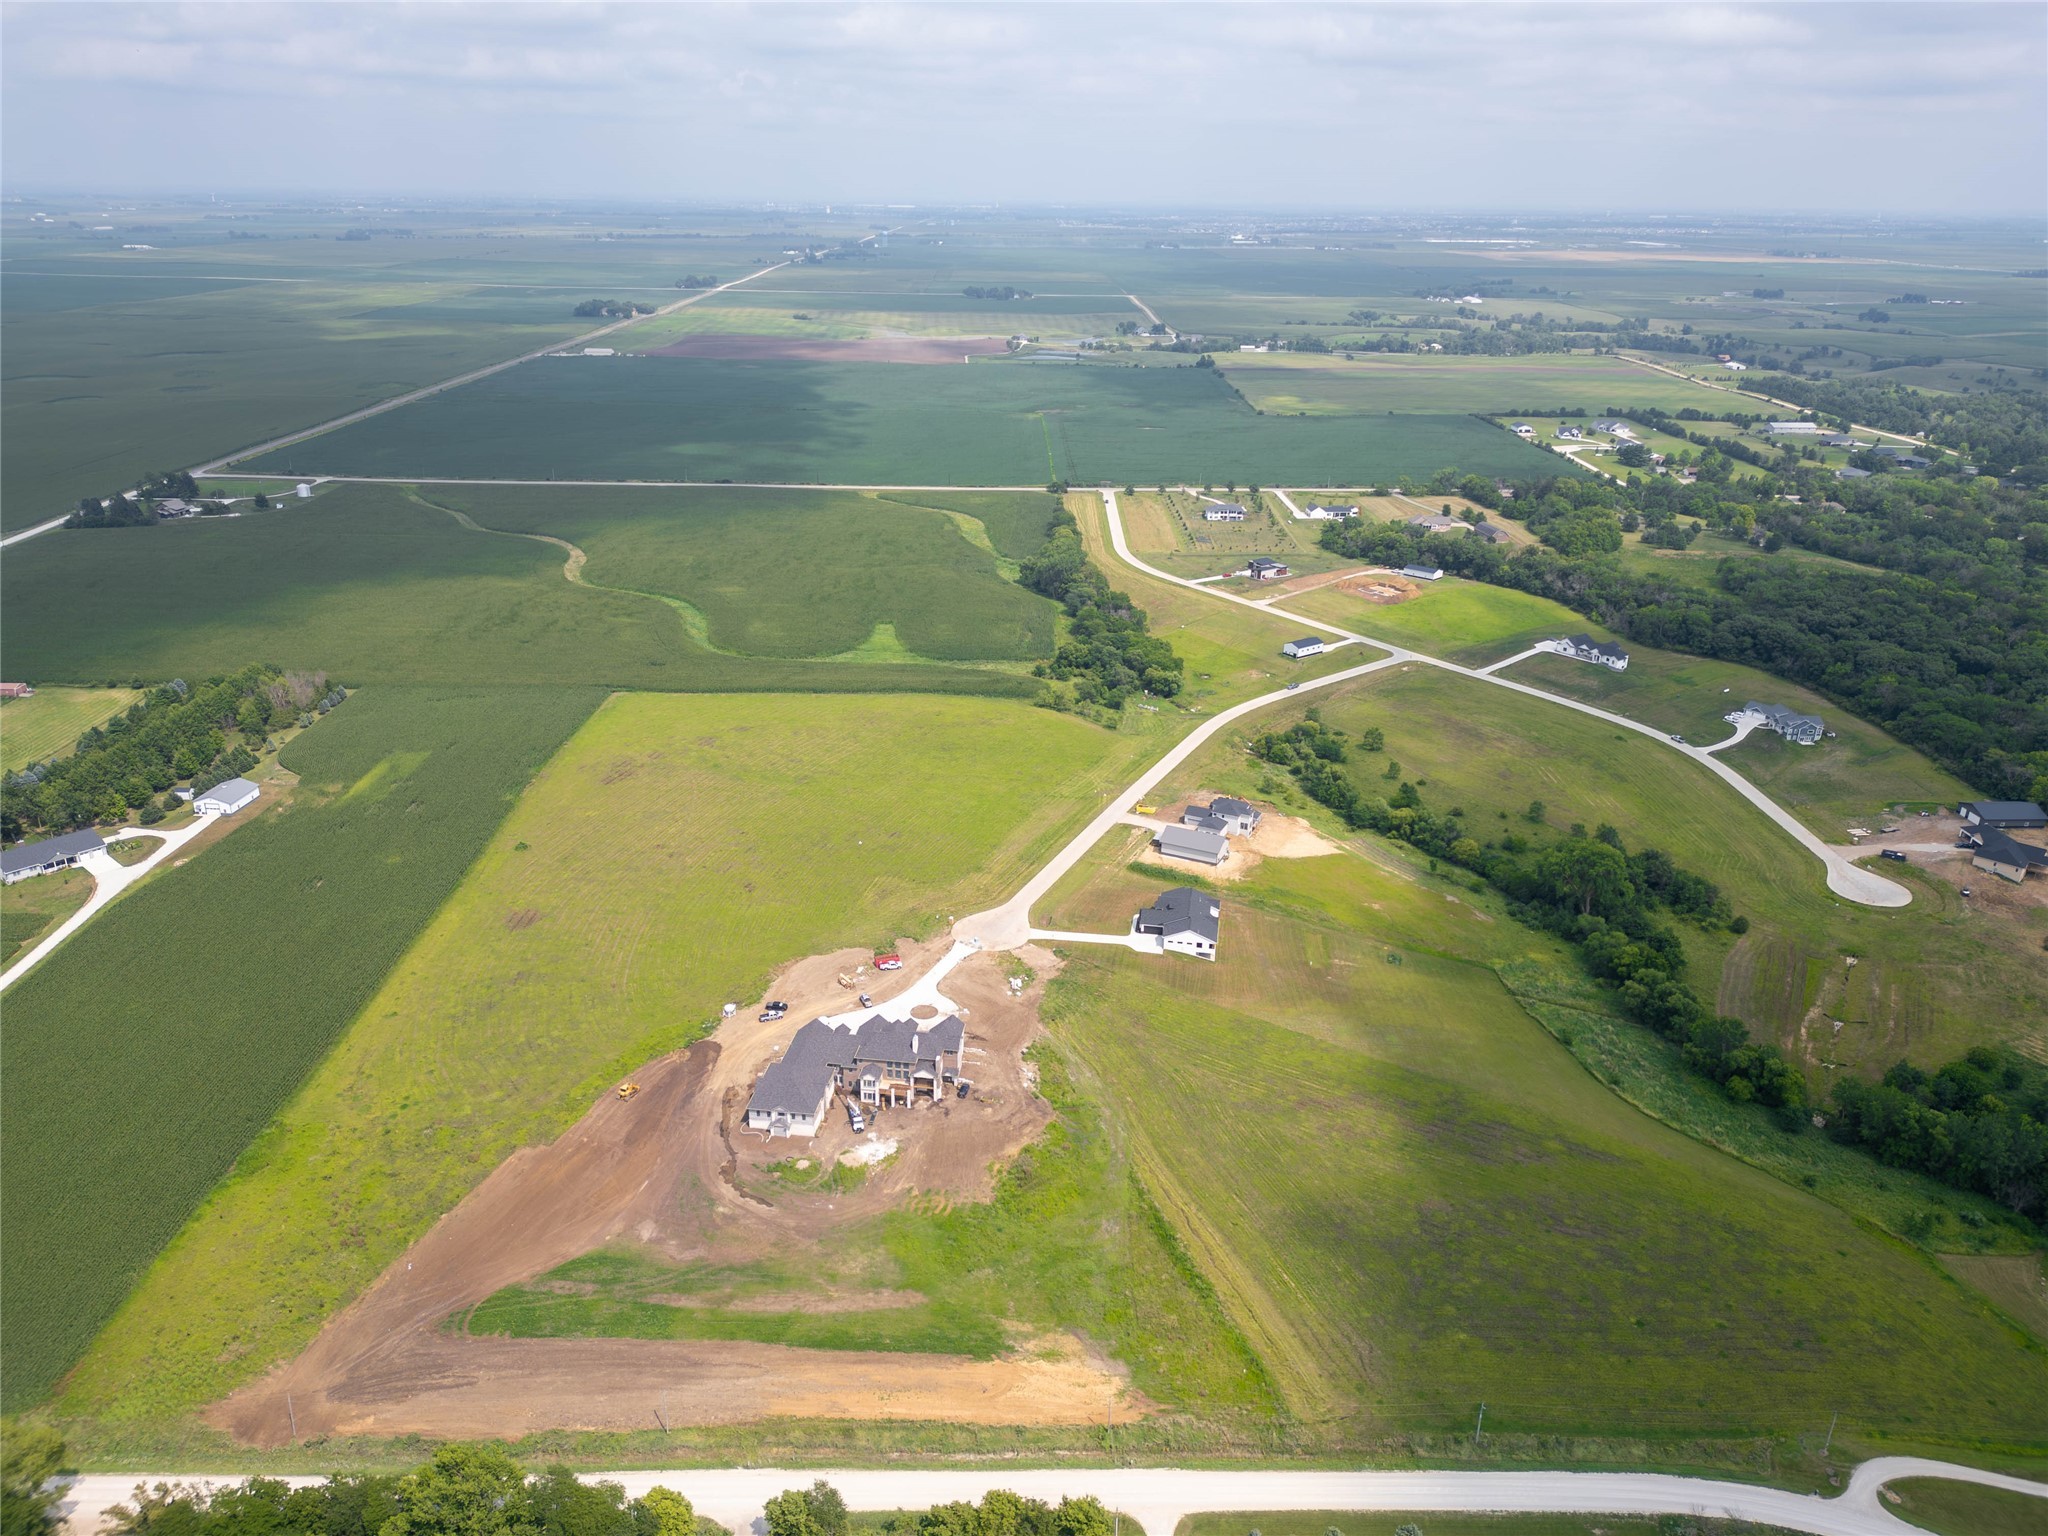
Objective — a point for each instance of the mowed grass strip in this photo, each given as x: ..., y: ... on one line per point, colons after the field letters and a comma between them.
x: 1952, y: 1508
x: 49, y: 723
x: 1372, y: 385
x: 699, y: 419
x: 142, y: 1057
x: 1468, y: 622
x: 374, y: 586
x: 1413, y: 1201
x: 676, y: 851
x: 786, y: 574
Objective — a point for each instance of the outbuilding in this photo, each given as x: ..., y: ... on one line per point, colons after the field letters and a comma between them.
x: 1185, y: 921
x: 1308, y: 645
x: 1264, y: 569
x: 2003, y: 814
x: 48, y: 856
x: 225, y: 799
x: 1423, y: 572
x: 1196, y: 844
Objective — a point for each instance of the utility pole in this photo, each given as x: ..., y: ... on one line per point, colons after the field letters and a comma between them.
x: 293, y: 1416
x: 1478, y: 1429
x: 1831, y: 1433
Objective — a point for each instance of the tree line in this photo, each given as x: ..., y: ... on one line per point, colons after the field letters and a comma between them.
x: 1005, y: 293
x: 175, y: 732
x: 1945, y: 646
x: 1978, y: 1123
x: 1587, y: 889
x: 1108, y: 656
x: 612, y: 309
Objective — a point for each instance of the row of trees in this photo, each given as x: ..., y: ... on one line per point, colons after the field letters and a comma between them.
x: 612, y: 309
x: 820, y: 1511
x: 175, y: 733
x: 1005, y: 293
x: 1589, y: 890
x: 1107, y: 657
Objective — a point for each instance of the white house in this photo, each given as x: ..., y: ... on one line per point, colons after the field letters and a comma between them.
x: 1226, y: 816
x: 225, y: 799
x: 1585, y: 648
x: 1309, y: 645
x: 1223, y: 512
x: 1570, y: 434
x: 1324, y: 514
x: 54, y: 853
x: 1734, y: 367
x: 1185, y: 921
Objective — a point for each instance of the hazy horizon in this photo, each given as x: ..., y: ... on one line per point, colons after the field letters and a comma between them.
x: 1822, y: 110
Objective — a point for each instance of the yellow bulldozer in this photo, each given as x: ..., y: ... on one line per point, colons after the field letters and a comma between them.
x: 627, y: 1090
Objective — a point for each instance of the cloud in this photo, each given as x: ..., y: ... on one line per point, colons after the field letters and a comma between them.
x: 1357, y: 106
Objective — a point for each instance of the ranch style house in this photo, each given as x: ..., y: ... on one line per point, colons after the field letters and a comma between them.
x: 1585, y: 648
x: 52, y: 854
x: 2001, y: 854
x: 1325, y: 514
x: 1803, y: 730
x: 1185, y: 921
x: 881, y: 1060
x: 1434, y: 522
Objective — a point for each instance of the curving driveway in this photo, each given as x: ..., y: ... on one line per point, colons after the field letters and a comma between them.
x: 110, y: 879
x: 1844, y: 878
x: 1160, y: 1497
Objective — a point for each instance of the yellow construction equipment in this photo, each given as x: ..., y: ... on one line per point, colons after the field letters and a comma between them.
x: 1144, y: 810
x: 627, y: 1090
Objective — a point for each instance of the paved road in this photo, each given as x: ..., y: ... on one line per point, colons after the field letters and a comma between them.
x: 1844, y: 878
x: 110, y: 879
x: 1160, y: 1497
x: 29, y: 533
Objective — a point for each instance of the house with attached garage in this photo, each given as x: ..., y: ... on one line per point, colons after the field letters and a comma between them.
x: 48, y: 856
x: 1432, y: 522
x: 1263, y: 569
x: 2001, y: 854
x: 1225, y: 814
x: 1223, y: 512
x: 225, y: 799
x: 2003, y: 814
x: 1585, y: 648
x: 1309, y: 645
x: 1325, y: 514
x: 879, y: 1061
x: 1803, y: 730
x: 1570, y: 434
x: 1186, y: 922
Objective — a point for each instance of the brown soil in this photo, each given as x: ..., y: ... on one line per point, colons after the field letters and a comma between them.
x: 1277, y: 837
x: 875, y: 349
x: 672, y: 1170
x: 1380, y: 589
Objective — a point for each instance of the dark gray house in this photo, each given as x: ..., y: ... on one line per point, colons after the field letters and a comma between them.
x: 881, y: 1060
x: 1804, y: 730
x: 1184, y: 920
x: 48, y: 856
x: 2003, y: 855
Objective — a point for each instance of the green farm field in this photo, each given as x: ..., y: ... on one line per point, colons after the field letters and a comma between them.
x: 997, y: 423
x: 1412, y: 1200
x: 1464, y: 621
x: 375, y: 585
x: 1284, y: 383
x: 143, y: 1056
x: 49, y: 722
x: 793, y: 573
x: 631, y: 851
x: 838, y: 315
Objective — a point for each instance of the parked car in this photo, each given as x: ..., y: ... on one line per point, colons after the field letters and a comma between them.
x: 1678, y: 738
x: 1894, y: 855
x: 773, y: 1012
x: 866, y: 1001
x: 855, y: 1118
x: 888, y: 962
x: 964, y: 1086
x: 1966, y: 890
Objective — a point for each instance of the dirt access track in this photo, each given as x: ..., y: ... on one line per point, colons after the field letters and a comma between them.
x: 875, y: 349
x: 670, y: 1170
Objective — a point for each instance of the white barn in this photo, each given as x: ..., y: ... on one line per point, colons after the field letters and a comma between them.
x: 1309, y: 645
x: 225, y: 799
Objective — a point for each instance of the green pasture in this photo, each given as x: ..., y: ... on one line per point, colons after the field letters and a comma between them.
x: 1463, y: 621
x: 837, y: 315
x: 669, y: 858
x: 374, y: 585
x: 1014, y: 524
x: 1411, y: 1201
x: 1928, y: 981
x: 997, y: 423
x: 1838, y: 782
x: 1373, y: 384
x: 1695, y: 567
x: 1950, y: 1508
x: 101, y: 393
x: 49, y: 722
x: 143, y: 1056
x: 29, y: 909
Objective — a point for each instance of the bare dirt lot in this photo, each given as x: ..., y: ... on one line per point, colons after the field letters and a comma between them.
x: 672, y: 1170
x: 874, y: 349
x: 1377, y: 588
x: 1276, y: 837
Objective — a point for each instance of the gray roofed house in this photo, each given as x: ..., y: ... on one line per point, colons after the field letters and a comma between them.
x: 1434, y: 522
x: 793, y: 1095
x: 1605, y: 652
x: 1197, y: 844
x: 53, y: 853
x: 1788, y: 723
x: 1492, y: 533
x: 1225, y: 814
x: 2003, y: 813
x: 1223, y: 512
x: 880, y: 1060
x: 1185, y: 921
x: 1851, y: 472
x: 2006, y: 856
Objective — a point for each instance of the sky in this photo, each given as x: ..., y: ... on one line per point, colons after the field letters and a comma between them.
x: 1831, y: 105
